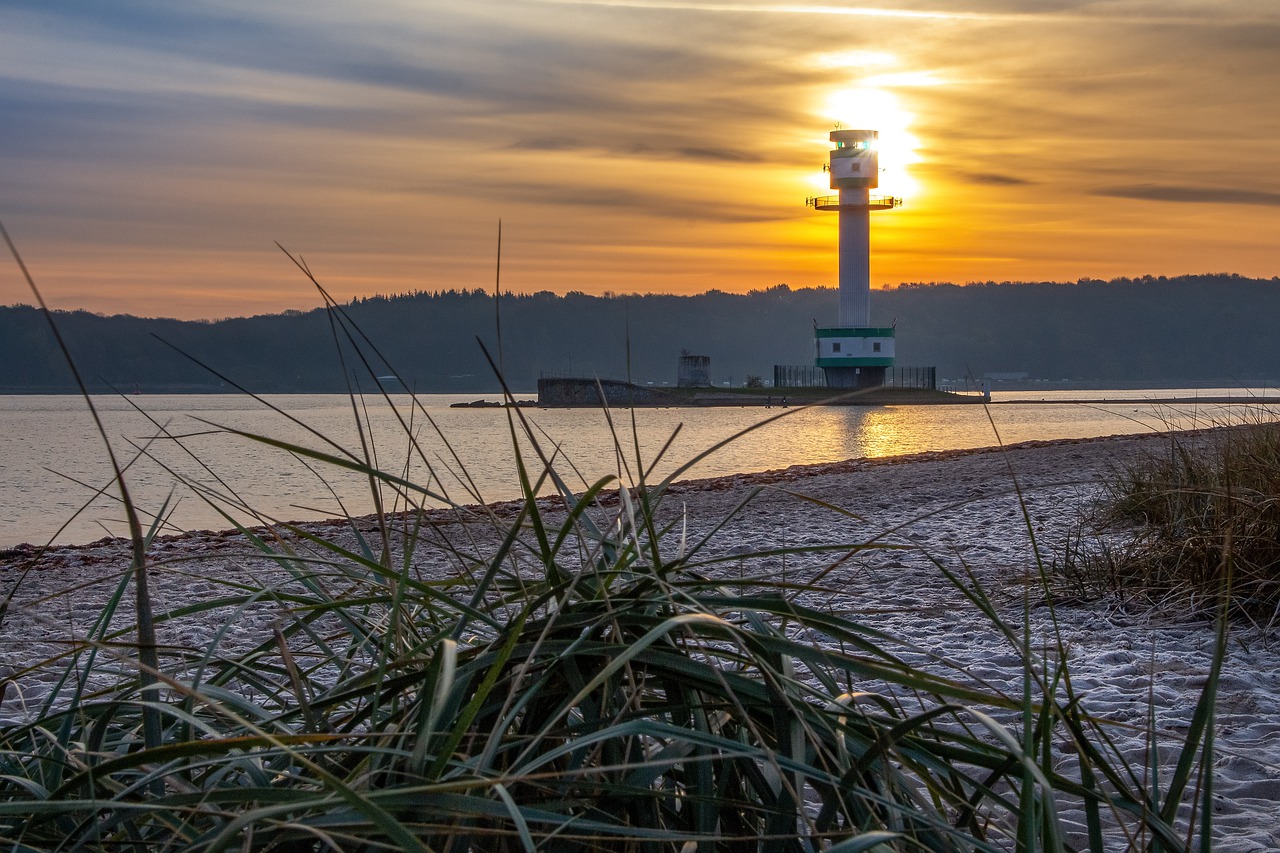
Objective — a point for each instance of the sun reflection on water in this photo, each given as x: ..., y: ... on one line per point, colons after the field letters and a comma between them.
x: 881, y: 434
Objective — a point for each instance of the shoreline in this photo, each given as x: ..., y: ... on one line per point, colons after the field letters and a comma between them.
x: 507, y: 508
x: 1157, y: 401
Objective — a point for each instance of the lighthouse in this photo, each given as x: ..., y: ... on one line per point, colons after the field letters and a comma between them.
x: 854, y: 354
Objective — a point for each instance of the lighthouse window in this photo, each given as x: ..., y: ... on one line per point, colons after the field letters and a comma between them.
x: 875, y: 347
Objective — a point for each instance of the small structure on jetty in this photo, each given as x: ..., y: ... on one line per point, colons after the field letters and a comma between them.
x: 695, y: 371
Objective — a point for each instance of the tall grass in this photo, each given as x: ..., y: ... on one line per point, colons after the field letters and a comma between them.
x: 582, y: 675
x: 1199, y: 525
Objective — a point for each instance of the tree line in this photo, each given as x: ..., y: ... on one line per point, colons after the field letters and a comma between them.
x: 1135, y: 330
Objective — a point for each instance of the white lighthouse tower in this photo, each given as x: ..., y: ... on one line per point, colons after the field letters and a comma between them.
x: 854, y: 354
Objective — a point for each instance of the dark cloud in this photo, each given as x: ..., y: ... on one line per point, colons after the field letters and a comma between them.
x: 1192, y: 195
x: 625, y: 89
x: 628, y: 201
x: 546, y: 143
x: 39, y: 123
x: 722, y: 155
x: 137, y: 21
x: 502, y: 68
x: 993, y: 179
x: 671, y: 151
x: 645, y: 149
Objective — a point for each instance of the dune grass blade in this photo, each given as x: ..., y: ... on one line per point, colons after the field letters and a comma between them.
x: 147, y: 659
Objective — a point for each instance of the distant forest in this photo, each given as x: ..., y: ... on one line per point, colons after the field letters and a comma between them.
x: 1125, y: 331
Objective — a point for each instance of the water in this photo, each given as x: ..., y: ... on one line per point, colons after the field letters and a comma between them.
x: 53, y: 461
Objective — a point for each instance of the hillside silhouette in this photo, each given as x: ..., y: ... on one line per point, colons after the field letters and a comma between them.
x: 1146, y: 330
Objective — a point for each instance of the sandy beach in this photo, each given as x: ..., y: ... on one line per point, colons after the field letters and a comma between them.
x: 963, y: 510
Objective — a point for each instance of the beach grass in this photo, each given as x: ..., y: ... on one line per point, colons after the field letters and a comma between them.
x: 1198, y: 527
x: 593, y: 671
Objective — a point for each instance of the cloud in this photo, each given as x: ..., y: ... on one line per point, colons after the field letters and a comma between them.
x: 652, y: 149
x: 1192, y: 195
x: 993, y: 179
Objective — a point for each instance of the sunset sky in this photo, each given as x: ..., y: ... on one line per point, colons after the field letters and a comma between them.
x: 152, y: 153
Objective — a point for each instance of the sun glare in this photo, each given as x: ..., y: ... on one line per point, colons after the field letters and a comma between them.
x: 869, y: 107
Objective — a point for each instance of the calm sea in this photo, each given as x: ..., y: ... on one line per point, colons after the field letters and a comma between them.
x: 181, y: 458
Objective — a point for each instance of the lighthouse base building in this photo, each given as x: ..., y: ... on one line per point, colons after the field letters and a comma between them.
x: 854, y: 357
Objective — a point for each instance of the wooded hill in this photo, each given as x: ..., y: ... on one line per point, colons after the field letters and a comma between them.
x: 1124, y: 331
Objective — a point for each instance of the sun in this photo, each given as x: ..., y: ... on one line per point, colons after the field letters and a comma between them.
x: 875, y: 107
